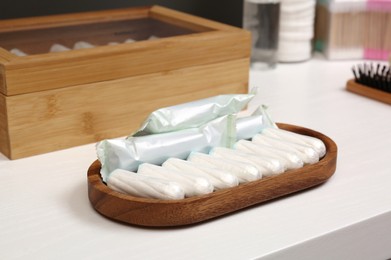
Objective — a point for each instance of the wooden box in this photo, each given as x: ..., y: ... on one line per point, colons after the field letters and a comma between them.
x: 55, y: 100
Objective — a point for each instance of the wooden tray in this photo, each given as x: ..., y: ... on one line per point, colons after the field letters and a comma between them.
x: 366, y: 91
x: 160, y: 213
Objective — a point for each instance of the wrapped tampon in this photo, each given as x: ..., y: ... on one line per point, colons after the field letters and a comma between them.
x: 144, y: 186
x: 307, y: 154
x: 129, y: 153
x: 219, y: 179
x: 288, y: 159
x: 313, y: 142
x: 245, y: 172
x: 82, y: 45
x: 58, y: 48
x: 247, y: 127
x: 192, y: 114
x: 18, y: 52
x: 129, y: 40
x: 192, y: 184
x: 267, y: 166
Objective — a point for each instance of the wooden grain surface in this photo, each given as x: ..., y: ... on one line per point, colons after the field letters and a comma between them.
x: 366, y: 91
x: 47, y: 71
x: 4, y: 136
x: 2, y: 80
x: 188, y: 21
x: 40, y: 41
x: 5, y: 56
x: 160, y: 213
x: 50, y: 21
x: 62, y: 118
x: 104, y: 63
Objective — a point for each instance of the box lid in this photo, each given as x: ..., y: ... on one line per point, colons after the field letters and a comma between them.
x: 127, y: 42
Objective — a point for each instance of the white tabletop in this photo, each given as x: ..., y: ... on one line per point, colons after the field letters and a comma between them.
x: 45, y: 212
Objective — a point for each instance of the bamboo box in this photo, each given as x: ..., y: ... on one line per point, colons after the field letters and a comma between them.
x: 56, y: 100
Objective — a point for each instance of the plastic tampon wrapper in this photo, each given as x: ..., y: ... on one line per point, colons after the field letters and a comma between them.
x: 245, y: 172
x: 193, y: 185
x: 218, y: 178
x: 313, y: 142
x: 267, y: 166
x: 192, y: 114
x: 144, y: 186
x: 289, y: 159
x: 129, y: 153
x: 305, y: 152
x: 247, y: 127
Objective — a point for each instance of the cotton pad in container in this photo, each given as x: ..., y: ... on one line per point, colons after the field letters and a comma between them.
x: 193, y: 185
x: 294, y: 57
x: 290, y: 47
x: 144, y: 186
x: 288, y: 159
x: 305, y: 152
x: 297, y: 6
x: 307, y: 15
x: 267, y: 166
x: 313, y: 142
x: 288, y: 36
x: 297, y: 29
x: 218, y: 178
x: 245, y: 172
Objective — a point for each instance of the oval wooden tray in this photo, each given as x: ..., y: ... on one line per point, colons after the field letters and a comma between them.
x: 162, y: 213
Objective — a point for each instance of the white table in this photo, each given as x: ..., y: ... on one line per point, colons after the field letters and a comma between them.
x: 45, y: 212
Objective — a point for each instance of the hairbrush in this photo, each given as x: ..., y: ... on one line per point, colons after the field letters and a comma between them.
x: 371, y: 80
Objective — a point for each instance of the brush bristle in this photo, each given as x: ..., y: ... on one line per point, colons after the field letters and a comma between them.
x: 375, y: 76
